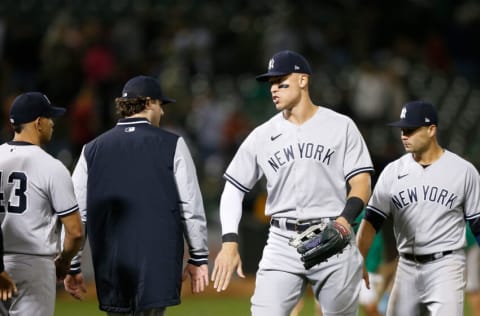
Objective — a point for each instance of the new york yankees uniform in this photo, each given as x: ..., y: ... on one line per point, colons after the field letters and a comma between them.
x: 306, y: 167
x: 429, y: 206
x: 35, y: 189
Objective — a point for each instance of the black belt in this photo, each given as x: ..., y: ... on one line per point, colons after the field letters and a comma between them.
x: 296, y: 226
x: 425, y: 258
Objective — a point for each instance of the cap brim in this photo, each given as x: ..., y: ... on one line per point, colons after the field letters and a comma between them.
x: 264, y: 77
x: 166, y: 100
x: 54, y: 111
x: 403, y: 124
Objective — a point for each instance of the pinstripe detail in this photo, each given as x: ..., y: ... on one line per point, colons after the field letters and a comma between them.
x: 68, y: 211
x: 235, y: 183
x: 359, y: 170
x: 377, y: 211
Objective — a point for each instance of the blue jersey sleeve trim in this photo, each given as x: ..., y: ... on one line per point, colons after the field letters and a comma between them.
x: 359, y: 170
x: 235, y: 183
x: 376, y: 210
x: 68, y: 211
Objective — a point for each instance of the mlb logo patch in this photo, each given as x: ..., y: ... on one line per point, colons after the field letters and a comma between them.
x: 130, y: 129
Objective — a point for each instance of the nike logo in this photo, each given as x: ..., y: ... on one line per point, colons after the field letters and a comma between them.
x: 272, y: 138
x: 402, y: 176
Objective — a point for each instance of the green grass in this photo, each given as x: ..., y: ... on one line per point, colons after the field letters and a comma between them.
x: 191, y: 306
x: 70, y: 307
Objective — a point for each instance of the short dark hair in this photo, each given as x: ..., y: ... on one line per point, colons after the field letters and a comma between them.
x: 18, y: 128
x: 130, y: 106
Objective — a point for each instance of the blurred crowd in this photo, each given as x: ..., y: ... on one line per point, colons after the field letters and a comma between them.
x: 368, y: 57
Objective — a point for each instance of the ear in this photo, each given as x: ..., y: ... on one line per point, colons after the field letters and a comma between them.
x: 303, y: 81
x: 38, y: 124
x: 148, y: 104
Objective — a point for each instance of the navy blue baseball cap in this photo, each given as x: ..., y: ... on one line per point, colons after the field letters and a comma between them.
x: 284, y: 63
x: 415, y: 114
x: 27, y: 107
x: 144, y: 87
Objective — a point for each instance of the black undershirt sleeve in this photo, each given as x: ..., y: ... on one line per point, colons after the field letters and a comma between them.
x: 374, y: 218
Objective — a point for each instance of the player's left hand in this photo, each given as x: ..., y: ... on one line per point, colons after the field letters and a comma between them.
x: 198, y: 276
x: 75, y: 285
x: 342, y: 220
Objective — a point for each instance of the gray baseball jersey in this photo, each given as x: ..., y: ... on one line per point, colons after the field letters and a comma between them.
x: 35, y: 188
x: 306, y: 166
x: 429, y: 205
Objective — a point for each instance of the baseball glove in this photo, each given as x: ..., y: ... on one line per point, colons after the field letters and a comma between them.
x: 321, y: 241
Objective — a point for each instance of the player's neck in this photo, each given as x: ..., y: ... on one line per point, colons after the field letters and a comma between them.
x: 300, y: 113
x: 430, y: 155
x: 27, y: 135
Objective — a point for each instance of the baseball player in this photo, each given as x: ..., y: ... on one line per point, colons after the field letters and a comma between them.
x: 317, y: 169
x: 137, y: 188
x: 429, y: 192
x: 36, y: 195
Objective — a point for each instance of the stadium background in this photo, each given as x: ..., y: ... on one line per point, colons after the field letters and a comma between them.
x: 368, y: 58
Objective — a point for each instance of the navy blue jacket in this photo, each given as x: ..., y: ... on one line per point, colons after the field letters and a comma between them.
x: 133, y: 220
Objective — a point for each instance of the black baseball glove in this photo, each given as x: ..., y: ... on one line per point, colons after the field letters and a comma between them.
x: 320, y: 242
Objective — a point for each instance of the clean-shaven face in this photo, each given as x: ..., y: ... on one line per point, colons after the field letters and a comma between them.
x: 285, y: 91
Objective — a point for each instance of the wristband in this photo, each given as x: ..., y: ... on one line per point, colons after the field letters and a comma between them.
x: 230, y: 237
x: 353, y: 207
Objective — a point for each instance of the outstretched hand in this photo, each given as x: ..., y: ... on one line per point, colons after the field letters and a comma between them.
x: 198, y: 276
x: 75, y: 285
x: 228, y: 259
x: 8, y: 288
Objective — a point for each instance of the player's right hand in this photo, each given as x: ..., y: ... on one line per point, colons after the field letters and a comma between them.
x: 228, y: 259
x: 75, y: 285
x: 8, y: 288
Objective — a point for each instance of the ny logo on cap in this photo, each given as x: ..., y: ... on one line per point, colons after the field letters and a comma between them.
x: 403, y: 114
x: 271, y: 64
x: 47, y: 99
x: 296, y: 67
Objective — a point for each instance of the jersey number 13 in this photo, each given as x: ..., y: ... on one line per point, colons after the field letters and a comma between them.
x: 18, y: 201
